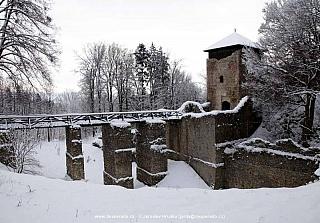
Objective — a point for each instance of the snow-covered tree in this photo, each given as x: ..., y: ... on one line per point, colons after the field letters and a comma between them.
x: 285, y: 78
x: 91, y: 62
x: 27, y: 44
x: 124, y: 79
x: 158, y: 67
x: 22, y: 151
x: 181, y: 86
x: 142, y: 56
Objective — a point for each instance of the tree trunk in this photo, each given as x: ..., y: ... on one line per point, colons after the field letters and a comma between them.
x: 307, y: 131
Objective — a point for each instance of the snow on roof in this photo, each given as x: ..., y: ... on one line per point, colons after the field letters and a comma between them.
x: 232, y: 40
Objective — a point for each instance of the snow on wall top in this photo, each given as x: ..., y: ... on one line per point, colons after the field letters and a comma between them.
x: 189, y: 104
x: 216, y: 112
x: 232, y: 40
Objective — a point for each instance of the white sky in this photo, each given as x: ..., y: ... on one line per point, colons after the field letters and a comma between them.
x: 182, y: 27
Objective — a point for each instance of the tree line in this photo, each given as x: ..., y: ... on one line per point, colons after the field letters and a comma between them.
x: 284, y: 80
x: 114, y: 78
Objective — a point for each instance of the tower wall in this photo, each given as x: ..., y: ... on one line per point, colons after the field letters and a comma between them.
x: 231, y: 69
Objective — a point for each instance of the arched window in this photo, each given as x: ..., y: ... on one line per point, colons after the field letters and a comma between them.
x: 221, y: 79
x: 225, y: 105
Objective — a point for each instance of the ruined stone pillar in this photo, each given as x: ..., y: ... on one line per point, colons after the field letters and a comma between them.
x: 6, y: 149
x: 173, y: 139
x: 117, y: 154
x: 152, y: 165
x: 74, y: 156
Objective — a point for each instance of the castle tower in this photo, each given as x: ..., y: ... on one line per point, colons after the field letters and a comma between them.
x: 225, y: 71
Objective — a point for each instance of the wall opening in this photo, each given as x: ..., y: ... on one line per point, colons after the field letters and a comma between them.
x: 221, y: 79
x: 225, y: 105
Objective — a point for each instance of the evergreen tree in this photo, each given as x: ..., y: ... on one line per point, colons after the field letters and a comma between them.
x: 142, y: 62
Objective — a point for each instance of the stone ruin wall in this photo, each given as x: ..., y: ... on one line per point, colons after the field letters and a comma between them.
x: 196, y: 139
x: 257, y: 163
x: 74, y: 155
x: 193, y: 139
x: 211, y: 143
x: 142, y: 142
x: 203, y: 141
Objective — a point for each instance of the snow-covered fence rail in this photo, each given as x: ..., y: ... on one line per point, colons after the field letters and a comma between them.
x: 82, y: 119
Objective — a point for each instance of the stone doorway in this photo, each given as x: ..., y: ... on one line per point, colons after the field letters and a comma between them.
x: 225, y: 105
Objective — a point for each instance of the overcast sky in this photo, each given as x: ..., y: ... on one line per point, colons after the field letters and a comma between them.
x: 182, y: 27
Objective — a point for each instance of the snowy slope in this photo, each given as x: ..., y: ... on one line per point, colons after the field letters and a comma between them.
x: 181, y: 197
x: 26, y: 198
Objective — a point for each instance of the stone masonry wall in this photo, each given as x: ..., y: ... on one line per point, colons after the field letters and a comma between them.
x: 74, y: 156
x: 200, y: 140
x: 238, y: 125
x: 195, y: 136
x: 231, y: 69
x: 256, y: 163
x: 203, y: 141
x: 151, y: 161
x: 117, y: 154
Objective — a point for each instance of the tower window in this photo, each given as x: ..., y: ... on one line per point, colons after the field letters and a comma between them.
x: 221, y: 79
x: 225, y: 105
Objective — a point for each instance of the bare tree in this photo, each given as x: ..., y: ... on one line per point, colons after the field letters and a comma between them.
x: 91, y: 64
x: 123, y: 77
x: 23, y: 151
x: 112, y: 69
x: 27, y: 44
x: 69, y: 102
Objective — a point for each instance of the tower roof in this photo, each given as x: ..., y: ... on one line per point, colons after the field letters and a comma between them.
x: 232, y: 40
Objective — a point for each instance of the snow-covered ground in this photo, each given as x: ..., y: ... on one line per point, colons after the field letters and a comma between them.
x: 52, y: 158
x: 181, y: 197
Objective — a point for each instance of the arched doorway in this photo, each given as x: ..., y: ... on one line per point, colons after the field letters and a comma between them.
x: 225, y: 105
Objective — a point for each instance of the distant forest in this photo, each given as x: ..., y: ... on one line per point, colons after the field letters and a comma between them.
x: 113, y: 78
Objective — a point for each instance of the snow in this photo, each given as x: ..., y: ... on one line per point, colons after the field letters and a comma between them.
x: 72, y: 126
x: 215, y: 165
x: 52, y: 158
x: 133, y: 150
x: 158, y: 148
x: 229, y: 151
x: 317, y: 172
x: 75, y: 157
x: 181, y: 175
x: 223, y: 144
x: 120, y: 124
x: 246, y: 146
x: 118, y: 180
x: 216, y: 112
x: 134, y: 131
x: 252, y: 140
x: 182, y: 196
x: 191, y: 104
x: 158, y: 140
x: 154, y: 120
x: 26, y: 198
x: 153, y: 174
x: 79, y: 141
x: 232, y: 40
